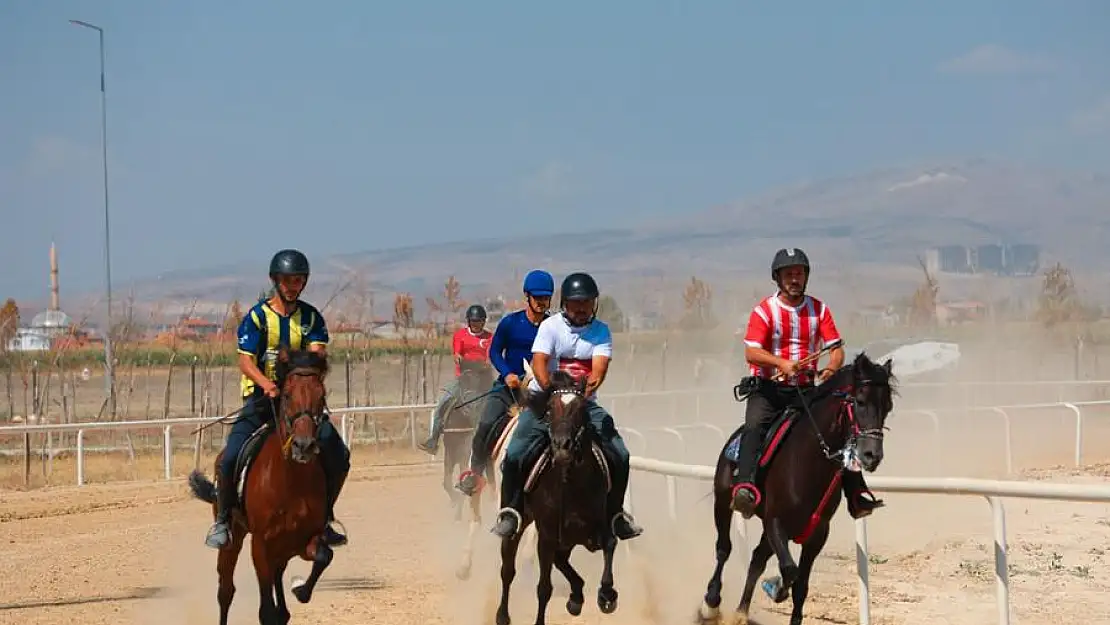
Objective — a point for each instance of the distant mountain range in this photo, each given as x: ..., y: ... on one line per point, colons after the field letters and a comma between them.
x: 874, y: 223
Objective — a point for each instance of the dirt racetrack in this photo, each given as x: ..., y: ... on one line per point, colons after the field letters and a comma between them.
x: 133, y: 552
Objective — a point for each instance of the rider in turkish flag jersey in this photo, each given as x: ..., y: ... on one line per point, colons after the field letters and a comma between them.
x: 579, y: 343
x: 782, y: 330
x: 470, y: 344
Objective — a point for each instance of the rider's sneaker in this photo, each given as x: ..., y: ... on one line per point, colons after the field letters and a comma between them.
x: 218, y: 536
x: 624, y: 527
x: 745, y: 499
x: 508, y: 522
x: 468, y: 483
x: 430, y: 446
x: 334, y: 538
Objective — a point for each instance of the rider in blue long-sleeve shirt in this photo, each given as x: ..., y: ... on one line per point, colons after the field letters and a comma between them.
x: 510, y: 347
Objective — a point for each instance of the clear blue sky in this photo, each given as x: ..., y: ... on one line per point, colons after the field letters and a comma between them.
x: 346, y: 126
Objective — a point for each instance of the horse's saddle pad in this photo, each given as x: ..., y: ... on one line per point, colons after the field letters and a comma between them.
x: 248, y: 454
x: 770, y: 443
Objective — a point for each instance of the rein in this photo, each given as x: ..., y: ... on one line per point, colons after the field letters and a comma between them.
x: 848, y: 404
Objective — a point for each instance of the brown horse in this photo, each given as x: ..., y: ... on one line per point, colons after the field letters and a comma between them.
x: 567, y: 501
x: 846, y: 413
x: 283, y: 500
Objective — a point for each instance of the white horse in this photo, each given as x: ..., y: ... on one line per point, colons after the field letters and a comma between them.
x: 493, y: 471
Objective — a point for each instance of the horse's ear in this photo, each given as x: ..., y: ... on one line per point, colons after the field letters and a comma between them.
x: 580, y: 384
x: 283, y: 354
x: 888, y: 366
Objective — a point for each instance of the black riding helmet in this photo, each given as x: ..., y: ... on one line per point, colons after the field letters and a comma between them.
x: 789, y: 257
x: 288, y: 262
x: 475, y: 313
x: 579, y: 286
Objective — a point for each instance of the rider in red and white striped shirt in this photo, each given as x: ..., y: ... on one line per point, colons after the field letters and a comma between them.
x: 783, y: 330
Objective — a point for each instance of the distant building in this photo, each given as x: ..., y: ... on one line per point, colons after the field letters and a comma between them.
x: 1019, y: 259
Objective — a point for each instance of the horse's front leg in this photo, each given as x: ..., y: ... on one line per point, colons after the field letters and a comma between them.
x: 546, y: 553
x: 475, y: 504
x: 279, y: 594
x: 320, y: 554
x: 606, y: 593
x: 722, y: 518
x: 264, y: 570
x: 810, y: 550
x: 577, y: 584
x: 508, y: 572
x: 775, y: 533
x: 760, y: 555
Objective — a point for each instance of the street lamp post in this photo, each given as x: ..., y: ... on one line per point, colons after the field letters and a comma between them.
x: 109, y: 365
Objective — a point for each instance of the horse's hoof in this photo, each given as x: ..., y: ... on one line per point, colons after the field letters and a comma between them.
x: 300, y: 590
x: 574, y: 608
x: 775, y: 589
x: 707, y: 615
x: 607, y: 601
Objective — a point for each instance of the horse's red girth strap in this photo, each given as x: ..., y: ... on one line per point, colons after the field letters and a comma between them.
x: 815, y: 519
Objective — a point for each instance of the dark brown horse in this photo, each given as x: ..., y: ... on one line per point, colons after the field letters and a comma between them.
x: 566, y: 501
x: 839, y: 423
x: 283, y: 503
x: 475, y: 380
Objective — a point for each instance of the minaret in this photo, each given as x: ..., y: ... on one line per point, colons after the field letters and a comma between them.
x: 54, y: 305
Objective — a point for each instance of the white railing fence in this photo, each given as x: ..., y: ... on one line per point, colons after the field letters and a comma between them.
x: 992, y: 490
x: 676, y: 432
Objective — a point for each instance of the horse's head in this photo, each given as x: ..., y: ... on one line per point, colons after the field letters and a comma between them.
x: 872, y: 389
x: 301, y: 375
x: 563, y: 404
x: 475, y: 377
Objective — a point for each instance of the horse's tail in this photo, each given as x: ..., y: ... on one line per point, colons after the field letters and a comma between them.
x: 203, y: 488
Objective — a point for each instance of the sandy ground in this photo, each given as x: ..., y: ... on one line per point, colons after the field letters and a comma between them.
x: 126, y: 552
x: 133, y: 552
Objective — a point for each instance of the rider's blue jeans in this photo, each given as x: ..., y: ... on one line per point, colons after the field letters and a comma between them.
x: 532, y: 433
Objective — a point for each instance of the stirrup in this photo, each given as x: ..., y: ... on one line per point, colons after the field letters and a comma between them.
x: 479, y: 482
x: 219, y: 535
x: 340, y: 537
x: 634, y: 529
x: 757, y: 498
x: 511, y: 512
x: 865, y: 503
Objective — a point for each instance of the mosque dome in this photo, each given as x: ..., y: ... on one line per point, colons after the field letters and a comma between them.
x: 52, y: 320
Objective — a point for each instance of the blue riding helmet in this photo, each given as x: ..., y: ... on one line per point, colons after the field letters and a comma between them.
x: 539, y: 283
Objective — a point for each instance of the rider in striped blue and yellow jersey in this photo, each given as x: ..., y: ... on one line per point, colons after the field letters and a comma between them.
x: 281, y: 320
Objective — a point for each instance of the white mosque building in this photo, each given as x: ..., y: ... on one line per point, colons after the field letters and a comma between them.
x: 48, y: 324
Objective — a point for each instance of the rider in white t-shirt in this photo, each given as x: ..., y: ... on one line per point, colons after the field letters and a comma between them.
x: 582, y: 345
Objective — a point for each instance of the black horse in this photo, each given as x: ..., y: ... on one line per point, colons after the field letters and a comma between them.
x: 566, y: 501
x: 838, y: 424
x: 475, y: 380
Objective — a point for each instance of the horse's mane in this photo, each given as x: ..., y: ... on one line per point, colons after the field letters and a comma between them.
x: 302, y: 359
x: 560, y: 380
x: 861, y: 366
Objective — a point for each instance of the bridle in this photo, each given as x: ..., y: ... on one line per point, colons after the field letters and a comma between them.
x: 849, y: 401
x: 571, y: 394
x: 287, y: 420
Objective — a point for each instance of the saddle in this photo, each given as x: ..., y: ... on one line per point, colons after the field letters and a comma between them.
x: 246, y: 458
x: 776, y: 433
x: 536, y: 461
